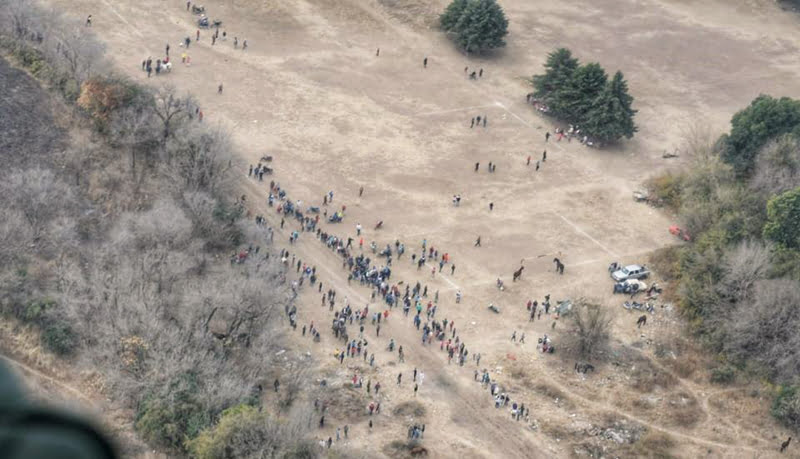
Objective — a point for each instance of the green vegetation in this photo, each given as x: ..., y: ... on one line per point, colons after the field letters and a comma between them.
x: 173, y: 415
x: 476, y: 25
x: 246, y: 431
x: 765, y: 119
x: 584, y: 96
x: 739, y: 280
x: 786, y: 406
x: 783, y: 219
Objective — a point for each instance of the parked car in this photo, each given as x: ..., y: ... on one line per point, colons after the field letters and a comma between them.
x: 630, y: 286
x: 630, y: 272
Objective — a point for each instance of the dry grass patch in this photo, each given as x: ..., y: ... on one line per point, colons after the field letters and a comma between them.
x: 410, y: 408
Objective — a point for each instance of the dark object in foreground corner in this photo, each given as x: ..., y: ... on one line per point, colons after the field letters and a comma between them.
x: 31, y: 431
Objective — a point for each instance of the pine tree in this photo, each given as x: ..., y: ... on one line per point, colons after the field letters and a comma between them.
x: 480, y: 27
x: 559, y: 69
x: 452, y: 14
x: 574, y: 102
x: 610, y: 116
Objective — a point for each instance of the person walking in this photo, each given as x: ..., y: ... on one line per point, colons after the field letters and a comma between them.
x: 167, y: 50
x: 544, y: 156
x: 472, y: 125
x: 537, y: 166
x: 416, y: 388
x: 484, y: 120
x: 89, y: 21
x: 547, y: 136
x: 219, y: 89
x: 425, y: 62
x: 478, y: 242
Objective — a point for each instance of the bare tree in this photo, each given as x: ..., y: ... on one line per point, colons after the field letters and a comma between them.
x: 199, y: 157
x: 38, y: 195
x: 744, y: 265
x: 172, y: 109
x: 77, y: 49
x: 589, y: 326
x: 764, y: 330
x: 777, y: 166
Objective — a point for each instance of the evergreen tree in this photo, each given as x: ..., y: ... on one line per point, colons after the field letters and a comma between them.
x: 783, y: 219
x: 586, y: 84
x: 452, y: 14
x: 559, y: 69
x: 480, y: 27
x: 751, y: 128
x: 611, y: 115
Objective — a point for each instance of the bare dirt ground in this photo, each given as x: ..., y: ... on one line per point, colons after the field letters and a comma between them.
x: 311, y: 91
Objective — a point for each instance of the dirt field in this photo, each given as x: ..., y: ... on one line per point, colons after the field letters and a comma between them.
x: 310, y: 91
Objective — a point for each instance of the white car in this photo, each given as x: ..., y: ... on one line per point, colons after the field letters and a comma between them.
x: 630, y: 272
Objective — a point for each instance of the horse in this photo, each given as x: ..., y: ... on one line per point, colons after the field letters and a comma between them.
x: 379, y: 225
x: 642, y: 321
x: 517, y: 274
x: 785, y: 444
x: 559, y: 266
x: 166, y: 66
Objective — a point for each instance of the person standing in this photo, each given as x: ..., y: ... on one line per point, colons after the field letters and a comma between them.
x: 425, y: 62
x: 544, y: 156
x: 219, y: 91
x: 167, y: 49
x: 89, y: 21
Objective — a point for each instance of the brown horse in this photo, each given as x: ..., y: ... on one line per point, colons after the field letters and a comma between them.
x: 517, y: 274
